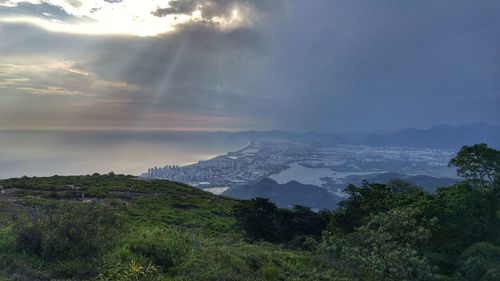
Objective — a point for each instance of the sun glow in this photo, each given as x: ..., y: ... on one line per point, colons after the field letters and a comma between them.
x: 126, y: 17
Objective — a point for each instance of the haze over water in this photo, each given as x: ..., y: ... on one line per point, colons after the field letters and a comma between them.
x: 46, y: 153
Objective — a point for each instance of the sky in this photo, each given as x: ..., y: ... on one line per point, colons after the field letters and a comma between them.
x: 297, y: 65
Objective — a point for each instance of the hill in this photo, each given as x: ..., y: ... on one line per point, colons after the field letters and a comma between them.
x: 287, y: 195
x: 115, y: 227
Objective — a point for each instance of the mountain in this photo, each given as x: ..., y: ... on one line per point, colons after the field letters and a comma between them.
x: 443, y: 136
x: 287, y: 195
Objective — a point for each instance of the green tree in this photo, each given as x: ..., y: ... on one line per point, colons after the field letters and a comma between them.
x: 480, y: 262
x: 388, y: 247
x: 257, y: 218
x: 477, y: 162
x: 371, y: 199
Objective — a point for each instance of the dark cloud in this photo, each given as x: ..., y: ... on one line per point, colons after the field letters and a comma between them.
x: 360, y: 66
x: 211, y: 8
x: 178, y: 7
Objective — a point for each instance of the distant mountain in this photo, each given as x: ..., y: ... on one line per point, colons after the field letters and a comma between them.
x: 287, y: 195
x: 444, y: 136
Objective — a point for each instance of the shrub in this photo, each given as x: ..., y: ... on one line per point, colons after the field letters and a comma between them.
x: 270, y: 273
x: 132, y: 271
x: 71, y: 237
x: 163, y: 248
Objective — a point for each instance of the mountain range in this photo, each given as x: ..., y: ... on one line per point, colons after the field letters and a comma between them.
x: 442, y: 136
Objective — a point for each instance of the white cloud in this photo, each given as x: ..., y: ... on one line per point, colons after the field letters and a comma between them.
x: 49, y: 91
x: 128, y: 17
x: 14, y: 3
x: 58, y: 78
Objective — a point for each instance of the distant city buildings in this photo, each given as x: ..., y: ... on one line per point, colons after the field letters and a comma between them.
x: 261, y: 159
x: 201, y: 171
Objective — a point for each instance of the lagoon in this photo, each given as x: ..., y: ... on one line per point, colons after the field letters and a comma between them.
x: 306, y: 175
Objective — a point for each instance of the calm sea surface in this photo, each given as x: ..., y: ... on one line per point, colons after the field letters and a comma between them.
x: 307, y: 175
x: 45, y: 153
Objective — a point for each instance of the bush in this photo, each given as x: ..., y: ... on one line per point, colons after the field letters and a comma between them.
x: 132, y: 271
x: 270, y: 273
x: 71, y: 237
x: 29, y: 239
x: 163, y: 248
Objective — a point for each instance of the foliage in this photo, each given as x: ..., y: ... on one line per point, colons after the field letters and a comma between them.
x: 78, y: 231
x: 258, y: 218
x: 70, y: 236
x: 133, y: 271
x: 163, y: 248
x: 372, y: 199
x: 477, y: 162
x: 262, y: 220
x: 481, y: 261
x: 386, y: 248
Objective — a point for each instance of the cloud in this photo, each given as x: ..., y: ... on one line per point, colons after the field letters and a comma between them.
x: 48, y: 91
x: 45, y: 77
x: 131, y: 17
x: 7, y: 81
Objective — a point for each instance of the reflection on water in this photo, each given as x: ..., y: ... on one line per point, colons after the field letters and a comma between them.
x: 43, y: 153
x: 307, y: 175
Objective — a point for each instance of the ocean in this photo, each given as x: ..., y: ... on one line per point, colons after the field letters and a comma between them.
x: 47, y: 153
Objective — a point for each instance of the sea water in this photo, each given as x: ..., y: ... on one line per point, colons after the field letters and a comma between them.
x: 46, y: 153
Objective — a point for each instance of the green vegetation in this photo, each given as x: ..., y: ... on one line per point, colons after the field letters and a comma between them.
x: 115, y: 227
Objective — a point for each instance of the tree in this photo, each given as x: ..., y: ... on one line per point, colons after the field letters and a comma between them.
x: 371, y: 199
x: 480, y: 261
x: 257, y: 218
x: 262, y: 220
x: 387, y: 247
x: 477, y: 162
x: 401, y: 186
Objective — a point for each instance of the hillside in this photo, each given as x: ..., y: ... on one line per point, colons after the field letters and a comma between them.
x: 130, y: 229
x: 287, y: 195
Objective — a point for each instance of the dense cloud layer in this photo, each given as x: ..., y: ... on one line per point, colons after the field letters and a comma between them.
x: 299, y: 65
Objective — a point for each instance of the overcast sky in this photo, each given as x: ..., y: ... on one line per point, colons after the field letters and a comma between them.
x: 301, y: 65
